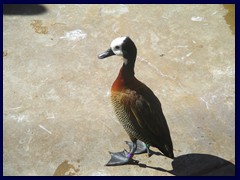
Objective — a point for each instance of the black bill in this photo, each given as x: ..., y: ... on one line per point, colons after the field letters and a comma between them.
x: 105, y: 54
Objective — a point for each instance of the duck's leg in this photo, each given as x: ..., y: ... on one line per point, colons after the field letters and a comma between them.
x: 123, y: 157
x: 141, y: 147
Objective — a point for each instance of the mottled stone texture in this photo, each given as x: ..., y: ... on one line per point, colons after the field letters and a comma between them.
x: 58, y: 118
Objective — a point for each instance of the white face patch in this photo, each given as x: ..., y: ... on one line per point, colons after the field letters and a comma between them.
x: 116, y: 45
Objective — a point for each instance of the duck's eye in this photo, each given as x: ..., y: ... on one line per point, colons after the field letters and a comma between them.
x: 117, y: 47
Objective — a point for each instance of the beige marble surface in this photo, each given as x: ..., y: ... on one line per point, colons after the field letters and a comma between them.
x: 58, y: 118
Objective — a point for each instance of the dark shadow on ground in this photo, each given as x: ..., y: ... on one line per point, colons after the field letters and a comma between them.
x: 23, y: 9
x: 198, y: 165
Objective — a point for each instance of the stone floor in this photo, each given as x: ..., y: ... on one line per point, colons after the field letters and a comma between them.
x: 58, y: 119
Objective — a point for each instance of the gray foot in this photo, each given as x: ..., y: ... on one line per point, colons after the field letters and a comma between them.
x: 121, y: 158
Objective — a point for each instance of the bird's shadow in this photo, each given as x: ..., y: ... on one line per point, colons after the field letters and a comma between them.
x: 23, y: 9
x: 196, y: 165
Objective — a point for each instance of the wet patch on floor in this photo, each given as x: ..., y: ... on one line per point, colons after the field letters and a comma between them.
x: 38, y: 26
x: 67, y: 168
x: 230, y: 16
x: 5, y: 53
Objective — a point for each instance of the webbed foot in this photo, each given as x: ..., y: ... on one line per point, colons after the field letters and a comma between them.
x: 121, y: 158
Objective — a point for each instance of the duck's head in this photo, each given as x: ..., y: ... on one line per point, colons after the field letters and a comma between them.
x: 121, y: 46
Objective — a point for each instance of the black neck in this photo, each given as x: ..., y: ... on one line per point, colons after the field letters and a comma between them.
x: 129, y: 54
x: 128, y: 65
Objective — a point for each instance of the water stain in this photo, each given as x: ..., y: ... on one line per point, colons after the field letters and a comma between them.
x: 38, y: 27
x: 230, y: 16
x: 5, y: 53
x: 66, y: 169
